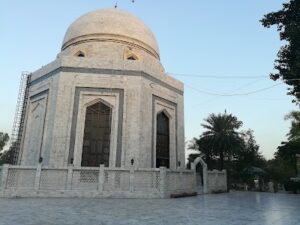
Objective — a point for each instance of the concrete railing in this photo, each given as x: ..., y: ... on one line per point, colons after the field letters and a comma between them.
x: 28, y: 181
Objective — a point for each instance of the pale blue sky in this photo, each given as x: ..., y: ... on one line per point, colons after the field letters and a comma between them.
x: 206, y: 38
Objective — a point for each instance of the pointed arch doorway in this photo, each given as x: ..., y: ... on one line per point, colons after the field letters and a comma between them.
x: 97, y: 132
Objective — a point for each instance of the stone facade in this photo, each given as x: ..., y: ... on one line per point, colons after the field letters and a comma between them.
x: 60, y: 92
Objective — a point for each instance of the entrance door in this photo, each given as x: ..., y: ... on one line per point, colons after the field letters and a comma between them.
x: 96, y: 140
x: 162, y: 141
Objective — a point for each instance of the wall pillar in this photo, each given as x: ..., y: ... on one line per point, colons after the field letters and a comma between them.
x: 225, y: 172
x: 131, y: 179
x: 298, y: 164
x: 101, y: 178
x: 69, y: 178
x: 38, y: 177
x: 205, y: 191
x: 163, y: 180
x: 4, y: 171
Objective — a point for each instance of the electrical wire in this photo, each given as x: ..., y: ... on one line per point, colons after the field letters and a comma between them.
x: 230, y: 77
x: 236, y: 94
x: 215, y: 77
x: 222, y: 77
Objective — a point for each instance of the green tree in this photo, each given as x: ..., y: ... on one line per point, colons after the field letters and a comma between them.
x: 287, y: 151
x: 280, y: 170
x: 4, y: 138
x: 250, y: 155
x: 248, y: 160
x: 221, y: 137
x: 294, y: 133
x: 287, y: 64
x: 283, y: 166
x: 4, y: 156
x: 204, y: 147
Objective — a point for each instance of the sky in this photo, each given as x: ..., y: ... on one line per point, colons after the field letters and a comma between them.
x: 214, y: 47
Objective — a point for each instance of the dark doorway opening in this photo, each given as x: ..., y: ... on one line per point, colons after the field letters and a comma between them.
x: 162, y: 141
x: 96, y: 140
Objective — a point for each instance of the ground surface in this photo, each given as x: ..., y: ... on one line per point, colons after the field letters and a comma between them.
x: 236, y: 208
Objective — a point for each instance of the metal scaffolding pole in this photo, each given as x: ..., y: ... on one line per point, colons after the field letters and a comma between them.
x: 18, y: 125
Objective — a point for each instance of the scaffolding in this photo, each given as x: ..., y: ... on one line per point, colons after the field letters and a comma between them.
x: 18, y: 125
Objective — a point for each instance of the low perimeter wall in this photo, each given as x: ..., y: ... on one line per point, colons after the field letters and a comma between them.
x: 216, y: 181
x: 25, y: 181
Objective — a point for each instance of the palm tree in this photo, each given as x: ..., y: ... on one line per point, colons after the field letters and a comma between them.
x: 204, y: 148
x: 221, y: 135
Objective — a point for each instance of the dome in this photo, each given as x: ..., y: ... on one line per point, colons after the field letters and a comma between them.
x: 111, y: 25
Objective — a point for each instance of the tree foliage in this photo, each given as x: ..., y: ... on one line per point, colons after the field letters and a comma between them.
x: 249, y: 155
x: 249, y: 161
x: 220, y: 138
x: 287, y: 64
x: 4, y: 138
x: 4, y: 156
x: 280, y: 170
x: 222, y: 145
x: 283, y: 166
x: 288, y: 150
x: 294, y: 133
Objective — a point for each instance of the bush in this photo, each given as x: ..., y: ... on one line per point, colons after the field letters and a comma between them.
x: 292, y: 186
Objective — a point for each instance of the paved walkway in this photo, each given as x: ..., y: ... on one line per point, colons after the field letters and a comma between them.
x: 236, y: 208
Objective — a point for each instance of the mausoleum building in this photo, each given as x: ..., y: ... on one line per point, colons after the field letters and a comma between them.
x: 102, y: 120
x: 106, y: 99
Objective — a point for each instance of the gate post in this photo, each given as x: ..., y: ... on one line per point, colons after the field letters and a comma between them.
x: 101, y: 178
x: 163, y: 180
x: 131, y: 179
x: 4, y: 172
x: 204, y: 179
x: 69, y: 178
x: 38, y: 177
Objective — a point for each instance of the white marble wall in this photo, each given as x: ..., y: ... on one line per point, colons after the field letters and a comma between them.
x: 144, y: 90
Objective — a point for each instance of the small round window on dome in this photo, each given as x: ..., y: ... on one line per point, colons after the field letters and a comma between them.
x: 80, y: 54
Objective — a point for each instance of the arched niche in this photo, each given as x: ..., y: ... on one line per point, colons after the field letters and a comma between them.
x: 80, y: 54
x: 132, y: 57
x: 110, y: 102
x: 97, y: 135
x: 169, y: 112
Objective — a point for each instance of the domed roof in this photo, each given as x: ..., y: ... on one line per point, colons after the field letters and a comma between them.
x: 111, y: 25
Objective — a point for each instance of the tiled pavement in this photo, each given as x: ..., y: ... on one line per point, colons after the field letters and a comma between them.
x: 235, y: 208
